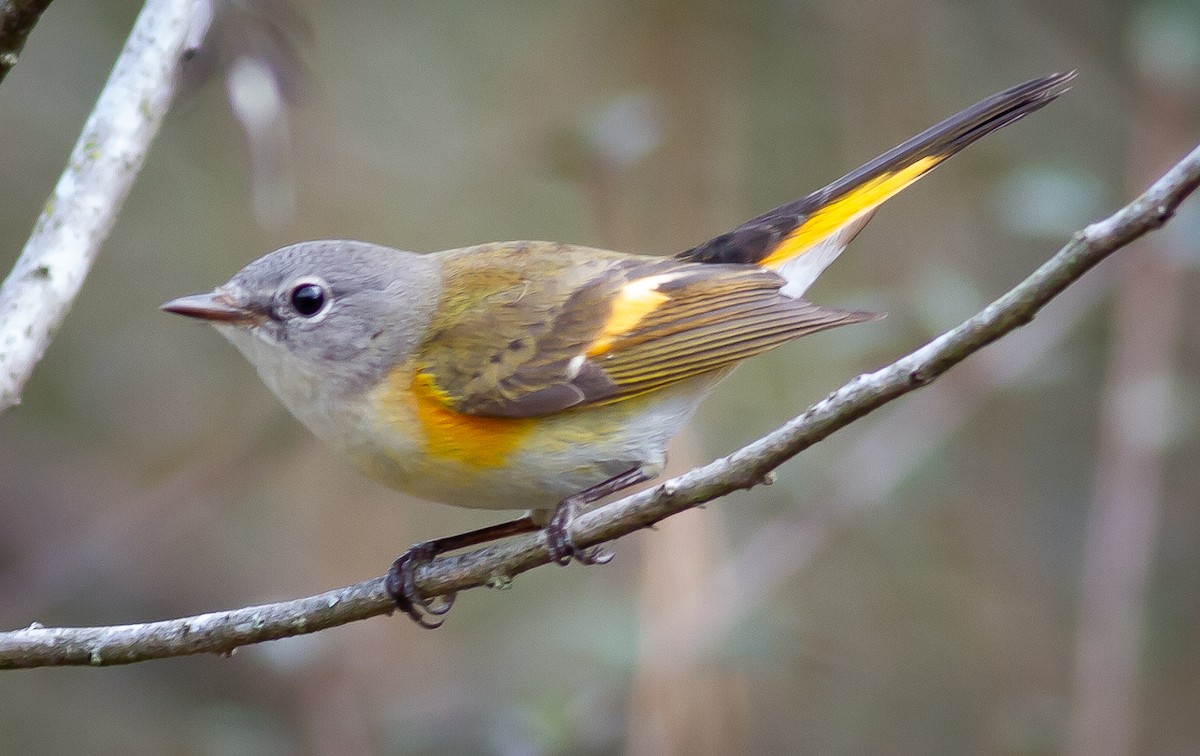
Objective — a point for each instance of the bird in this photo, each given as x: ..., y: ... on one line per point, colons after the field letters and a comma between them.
x: 544, y: 376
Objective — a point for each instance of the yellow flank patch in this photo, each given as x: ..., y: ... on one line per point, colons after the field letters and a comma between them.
x: 863, y: 198
x: 635, y: 301
x: 468, y: 439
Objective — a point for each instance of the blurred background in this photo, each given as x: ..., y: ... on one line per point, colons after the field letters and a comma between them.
x: 1005, y: 562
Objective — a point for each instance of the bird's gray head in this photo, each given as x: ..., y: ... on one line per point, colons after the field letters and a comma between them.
x: 324, y: 316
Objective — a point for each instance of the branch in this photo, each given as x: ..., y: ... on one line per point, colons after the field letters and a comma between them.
x: 17, y: 19
x: 79, y: 214
x: 222, y: 632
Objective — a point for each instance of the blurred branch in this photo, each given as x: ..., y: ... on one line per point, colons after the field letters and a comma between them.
x: 222, y: 632
x: 255, y: 49
x: 79, y: 214
x: 1136, y: 426
x: 17, y: 19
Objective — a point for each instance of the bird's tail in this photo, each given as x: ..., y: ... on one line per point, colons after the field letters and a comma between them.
x: 801, y: 238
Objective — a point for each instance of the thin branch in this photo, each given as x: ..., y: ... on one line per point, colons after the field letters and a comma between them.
x: 17, y: 19
x: 222, y: 632
x: 79, y: 214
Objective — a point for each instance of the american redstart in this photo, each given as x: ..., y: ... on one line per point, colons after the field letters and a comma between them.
x: 544, y: 376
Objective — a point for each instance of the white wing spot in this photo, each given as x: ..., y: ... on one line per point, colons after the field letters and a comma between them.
x: 642, y: 286
x: 575, y: 365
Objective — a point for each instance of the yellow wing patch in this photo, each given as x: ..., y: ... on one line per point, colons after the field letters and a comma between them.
x: 635, y: 301
x: 471, y: 440
x: 864, y: 198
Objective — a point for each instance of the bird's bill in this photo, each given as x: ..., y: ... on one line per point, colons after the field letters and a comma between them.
x: 215, y: 306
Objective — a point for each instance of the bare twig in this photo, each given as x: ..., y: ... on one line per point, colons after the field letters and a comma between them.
x: 84, y: 205
x: 222, y: 632
x: 17, y: 19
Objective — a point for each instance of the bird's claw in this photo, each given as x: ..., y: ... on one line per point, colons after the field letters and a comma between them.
x: 401, y: 585
x: 561, y: 545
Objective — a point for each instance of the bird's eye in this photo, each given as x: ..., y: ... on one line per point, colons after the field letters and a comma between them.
x: 308, y: 299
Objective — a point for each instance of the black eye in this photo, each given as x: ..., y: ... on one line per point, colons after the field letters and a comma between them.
x: 308, y: 299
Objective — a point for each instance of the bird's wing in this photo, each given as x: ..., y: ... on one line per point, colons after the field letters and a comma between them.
x: 554, y: 327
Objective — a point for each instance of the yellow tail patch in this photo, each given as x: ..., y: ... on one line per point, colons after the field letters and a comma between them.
x: 827, y: 219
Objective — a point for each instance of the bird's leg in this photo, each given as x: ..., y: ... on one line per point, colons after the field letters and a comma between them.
x: 559, y: 542
x: 401, y: 580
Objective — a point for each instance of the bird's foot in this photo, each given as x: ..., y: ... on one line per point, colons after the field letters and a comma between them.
x: 562, y: 546
x: 401, y: 585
